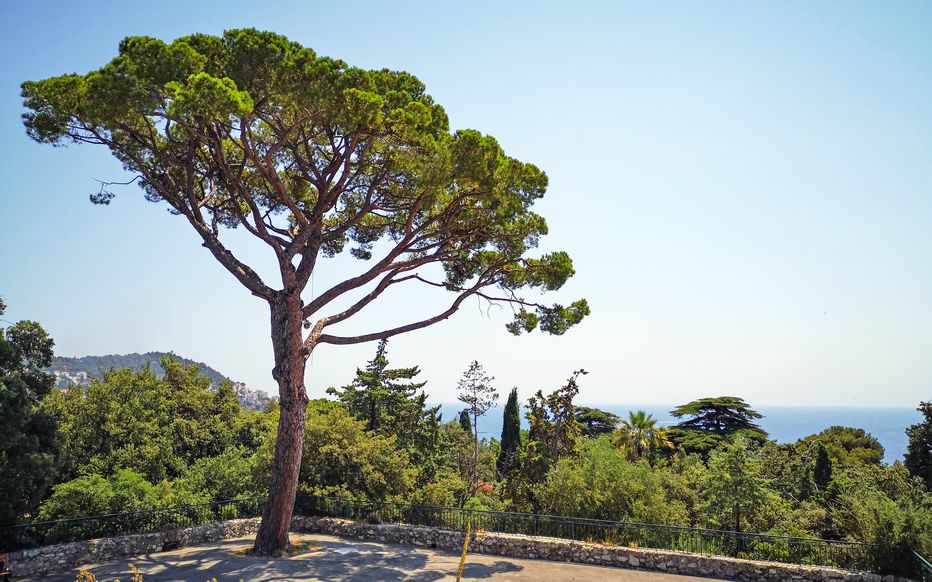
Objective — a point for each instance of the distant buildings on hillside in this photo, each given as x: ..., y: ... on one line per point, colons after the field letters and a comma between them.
x: 249, y: 398
x: 65, y: 379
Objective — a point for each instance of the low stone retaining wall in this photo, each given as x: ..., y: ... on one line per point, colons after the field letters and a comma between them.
x: 517, y: 546
x: 38, y: 561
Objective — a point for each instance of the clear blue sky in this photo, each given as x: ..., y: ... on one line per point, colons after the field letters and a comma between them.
x: 746, y: 189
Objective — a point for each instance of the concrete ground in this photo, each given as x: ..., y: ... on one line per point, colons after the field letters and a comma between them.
x: 347, y: 560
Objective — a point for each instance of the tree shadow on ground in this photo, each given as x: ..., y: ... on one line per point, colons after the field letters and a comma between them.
x: 489, y: 570
x: 342, y: 561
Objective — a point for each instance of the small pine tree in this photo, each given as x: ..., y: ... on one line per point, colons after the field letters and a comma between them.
x: 478, y: 394
x: 391, y: 403
x: 511, y: 433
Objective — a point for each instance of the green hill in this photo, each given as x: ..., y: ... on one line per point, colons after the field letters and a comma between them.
x: 70, y: 369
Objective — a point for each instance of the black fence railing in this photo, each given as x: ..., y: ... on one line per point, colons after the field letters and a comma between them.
x: 793, y: 550
x: 923, y: 568
x: 807, y: 551
x: 43, y: 533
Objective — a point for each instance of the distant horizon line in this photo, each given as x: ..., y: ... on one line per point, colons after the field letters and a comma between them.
x: 827, y: 406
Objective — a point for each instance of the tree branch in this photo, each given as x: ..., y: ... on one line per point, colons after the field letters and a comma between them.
x: 358, y: 339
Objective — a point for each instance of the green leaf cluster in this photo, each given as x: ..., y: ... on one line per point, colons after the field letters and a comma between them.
x: 601, y: 483
x: 511, y: 433
x: 341, y: 457
x: 313, y: 156
x: 29, y: 440
x: 156, y: 427
x: 391, y: 403
x: 919, y: 449
x: 713, y: 421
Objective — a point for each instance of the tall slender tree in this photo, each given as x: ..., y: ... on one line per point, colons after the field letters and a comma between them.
x: 822, y: 468
x: 312, y: 157
x: 511, y: 432
x: 463, y: 419
x: 918, y: 457
x: 478, y: 394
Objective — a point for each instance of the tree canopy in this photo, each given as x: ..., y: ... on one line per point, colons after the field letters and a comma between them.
x: 639, y: 435
x: 391, y: 403
x: 314, y: 158
x: 29, y: 440
x: 594, y: 421
x: 157, y: 427
x: 722, y: 416
x: 737, y: 492
x: 848, y: 445
x: 552, y: 420
x: 919, y: 450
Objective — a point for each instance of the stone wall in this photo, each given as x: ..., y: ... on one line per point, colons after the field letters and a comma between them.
x: 517, y: 546
x: 38, y: 561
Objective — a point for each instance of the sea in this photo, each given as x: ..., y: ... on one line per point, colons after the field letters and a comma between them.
x: 786, y: 424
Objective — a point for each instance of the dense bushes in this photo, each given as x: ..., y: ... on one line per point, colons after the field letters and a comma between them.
x: 135, y: 441
x: 124, y: 490
x: 601, y: 483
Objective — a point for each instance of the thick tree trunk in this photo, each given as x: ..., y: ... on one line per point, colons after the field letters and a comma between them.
x: 272, y: 538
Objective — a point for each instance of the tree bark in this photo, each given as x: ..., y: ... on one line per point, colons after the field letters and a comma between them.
x: 272, y: 538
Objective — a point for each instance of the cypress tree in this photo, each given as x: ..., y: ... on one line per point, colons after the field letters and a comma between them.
x: 464, y: 421
x: 511, y: 432
x: 822, y: 472
x: 919, y: 452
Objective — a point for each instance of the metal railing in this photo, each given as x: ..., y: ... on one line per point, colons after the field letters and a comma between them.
x: 923, y: 568
x: 43, y: 533
x: 794, y: 550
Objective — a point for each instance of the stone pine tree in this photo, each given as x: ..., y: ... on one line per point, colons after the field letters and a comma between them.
x: 313, y: 158
x: 511, y: 433
x: 478, y: 394
x: 919, y: 450
x: 29, y: 439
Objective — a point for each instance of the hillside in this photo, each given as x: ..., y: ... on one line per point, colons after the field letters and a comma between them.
x: 83, y: 370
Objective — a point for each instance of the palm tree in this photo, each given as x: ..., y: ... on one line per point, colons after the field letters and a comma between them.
x: 639, y: 434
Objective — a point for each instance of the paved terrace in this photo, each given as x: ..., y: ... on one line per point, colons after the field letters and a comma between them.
x: 345, y: 560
